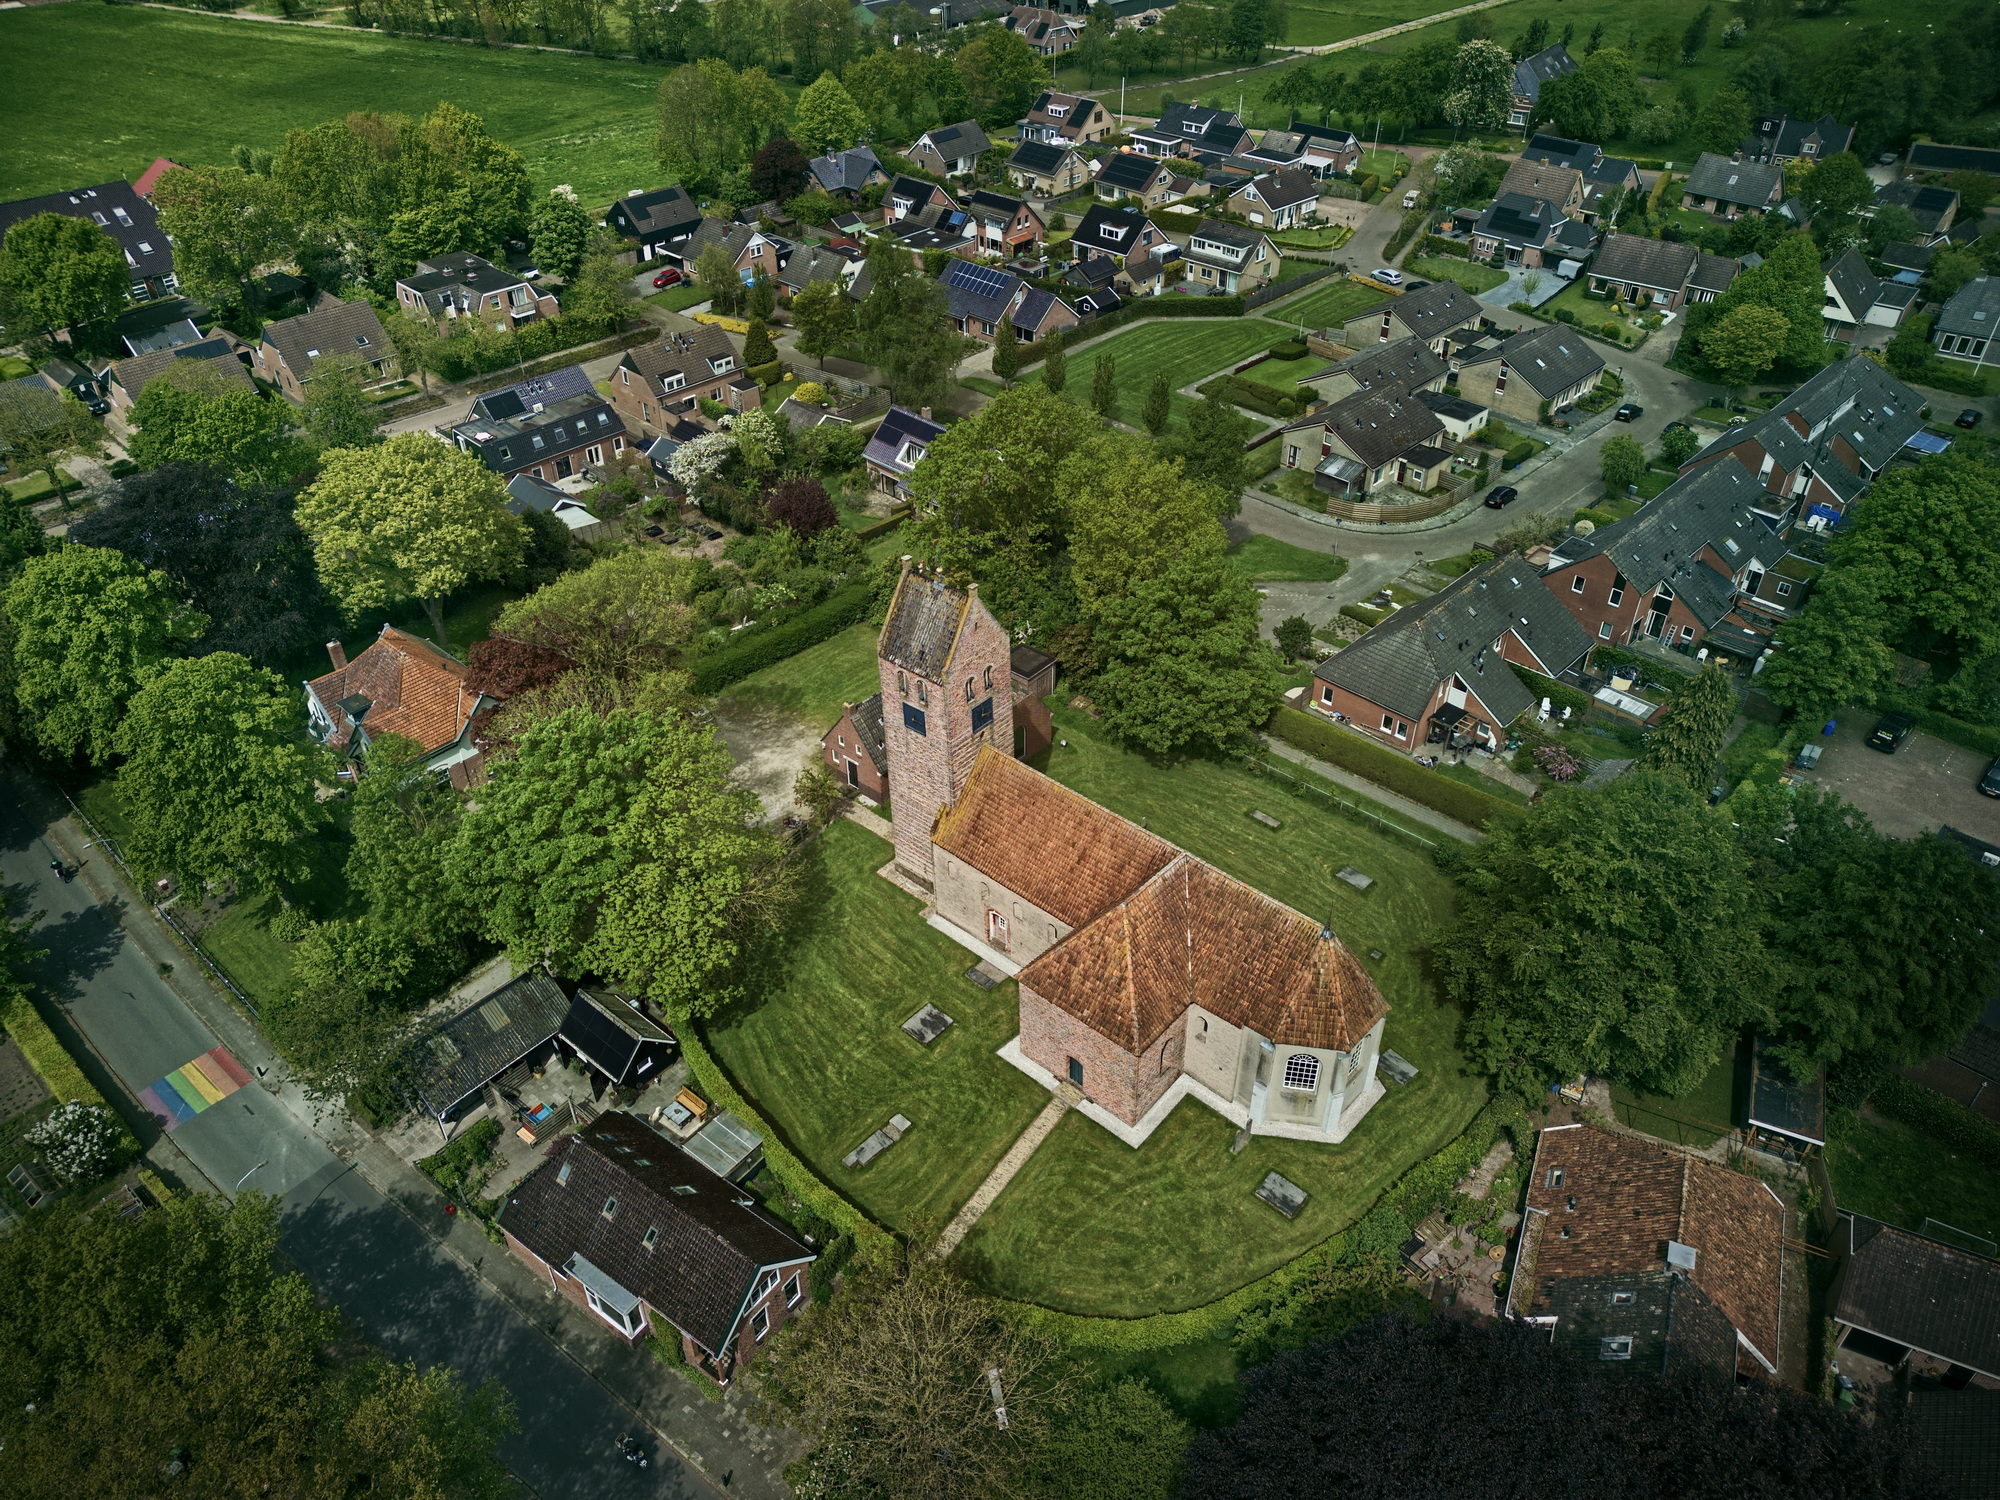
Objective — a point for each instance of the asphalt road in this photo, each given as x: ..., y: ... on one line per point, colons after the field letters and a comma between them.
x: 385, y: 1274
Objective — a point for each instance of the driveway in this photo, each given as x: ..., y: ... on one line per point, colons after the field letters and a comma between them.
x: 1924, y: 785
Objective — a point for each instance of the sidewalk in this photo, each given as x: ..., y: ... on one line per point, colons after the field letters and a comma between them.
x: 1416, y: 812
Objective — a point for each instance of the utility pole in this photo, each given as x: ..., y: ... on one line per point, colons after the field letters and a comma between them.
x: 1121, y: 106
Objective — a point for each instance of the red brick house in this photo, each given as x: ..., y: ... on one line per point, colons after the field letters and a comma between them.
x: 1432, y: 313
x: 1440, y: 671
x: 1145, y: 975
x: 657, y: 385
x: 290, y: 347
x: 464, y: 285
x: 552, y: 426
x: 402, y: 685
x: 1066, y: 119
x: 625, y: 1224
x: 854, y: 751
x: 1004, y: 226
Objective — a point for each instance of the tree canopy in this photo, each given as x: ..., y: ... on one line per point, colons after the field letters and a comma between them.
x: 191, y: 414
x: 827, y: 118
x: 1688, y: 740
x: 634, y: 611
x: 904, y: 330
x: 57, y: 271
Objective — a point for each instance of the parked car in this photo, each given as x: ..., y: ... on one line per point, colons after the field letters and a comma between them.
x: 1388, y: 276
x: 1501, y: 496
x: 1972, y: 416
x: 1990, y: 782
x: 1410, y: 199
x: 668, y: 277
x: 1628, y: 413
x: 1890, y: 732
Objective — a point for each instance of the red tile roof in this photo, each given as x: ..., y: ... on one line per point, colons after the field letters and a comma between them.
x: 413, y: 689
x: 150, y: 178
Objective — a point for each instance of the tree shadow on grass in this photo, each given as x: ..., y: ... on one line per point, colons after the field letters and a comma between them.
x: 764, y: 967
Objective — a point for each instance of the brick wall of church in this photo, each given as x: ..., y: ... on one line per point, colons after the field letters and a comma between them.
x: 1125, y: 1085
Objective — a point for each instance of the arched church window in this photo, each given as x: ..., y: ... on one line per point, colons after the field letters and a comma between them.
x: 970, y: 687
x: 989, y: 679
x: 902, y: 684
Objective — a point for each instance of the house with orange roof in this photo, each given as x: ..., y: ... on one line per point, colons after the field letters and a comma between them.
x: 402, y: 685
x: 150, y: 178
x: 1146, y: 975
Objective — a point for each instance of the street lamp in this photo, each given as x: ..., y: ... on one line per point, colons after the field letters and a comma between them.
x: 246, y: 1176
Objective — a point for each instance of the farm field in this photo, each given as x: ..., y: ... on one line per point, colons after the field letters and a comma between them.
x: 1315, y: 23
x: 580, y: 120
x: 1188, y: 349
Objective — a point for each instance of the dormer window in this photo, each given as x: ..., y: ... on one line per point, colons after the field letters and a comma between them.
x: 673, y: 382
x: 610, y: 1207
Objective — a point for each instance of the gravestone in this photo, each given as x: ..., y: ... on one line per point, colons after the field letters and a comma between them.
x: 927, y: 1025
x: 1355, y: 878
x: 1266, y: 819
x: 1395, y: 1070
x: 1286, y: 1196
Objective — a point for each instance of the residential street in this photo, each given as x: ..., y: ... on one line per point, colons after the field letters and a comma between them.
x: 363, y: 1252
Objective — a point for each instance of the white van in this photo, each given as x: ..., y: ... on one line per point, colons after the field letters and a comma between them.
x: 1410, y: 198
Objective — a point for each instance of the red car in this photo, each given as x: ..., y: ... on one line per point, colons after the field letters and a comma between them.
x: 667, y: 278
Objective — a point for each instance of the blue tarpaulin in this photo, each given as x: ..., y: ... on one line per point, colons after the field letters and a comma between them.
x: 1928, y: 442
x: 1825, y: 514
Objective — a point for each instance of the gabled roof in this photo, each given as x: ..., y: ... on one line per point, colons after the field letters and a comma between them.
x: 1043, y: 158
x: 1928, y: 156
x: 412, y: 687
x: 1561, y: 151
x: 1919, y: 1292
x: 920, y: 630
x: 461, y: 268
x: 113, y: 207
x: 1559, y: 185
x: 610, y: 1033
x: 1530, y: 73
x: 900, y: 427
x: 1130, y: 171
x: 1519, y: 219
x: 219, y: 353
x: 1974, y: 308
x: 1713, y: 507
x: 1784, y: 136
x: 1929, y: 206
x: 866, y: 717
x: 1632, y: 1199
x: 1856, y: 285
x: 149, y: 179
x: 1193, y: 936
x: 1405, y: 365
x: 1745, y: 183
x: 334, y: 328
x: 845, y: 171
x: 1091, y: 235
x: 482, y: 1041
x: 661, y: 211
x: 1218, y: 242
x: 1551, y: 358
x: 1285, y: 187
x: 992, y: 207
x: 709, y: 1242
x: 1377, y: 427
x: 691, y: 355
x: 954, y: 141
x: 815, y: 263
x: 975, y: 291
x: 1662, y: 264
x: 1713, y: 273
x: 1032, y: 313
x: 1429, y: 311
x: 1400, y: 662
x: 1855, y: 400
x: 1908, y: 257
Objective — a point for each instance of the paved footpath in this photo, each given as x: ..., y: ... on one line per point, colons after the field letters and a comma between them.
x: 1002, y: 1174
x: 1402, y: 806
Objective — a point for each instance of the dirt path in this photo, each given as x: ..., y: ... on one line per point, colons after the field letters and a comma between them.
x: 771, y: 748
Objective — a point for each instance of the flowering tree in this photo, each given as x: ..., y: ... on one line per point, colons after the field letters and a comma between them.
x: 1558, y: 763
x: 78, y: 1141
x: 701, y: 460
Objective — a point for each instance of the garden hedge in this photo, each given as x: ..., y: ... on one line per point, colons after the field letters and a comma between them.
x: 1171, y: 306
x: 1945, y: 1120
x: 874, y: 529
x: 45, y: 1053
x: 822, y: 622
x: 1253, y: 394
x: 1367, y: 616
x: 1547, y: 687
x: 767, y: 375
x: 1387, y: 768
x: 1367, y: 183
x: 1517, y: 455
x: 1983, y: 738
x: 1436, y: 245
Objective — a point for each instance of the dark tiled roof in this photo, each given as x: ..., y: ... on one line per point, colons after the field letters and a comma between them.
x: 1377, y: 428
x: 1431, y: 310
x: 922, y: 625
x: 1745, y: 183
x: 1928, y: 156
x: 334, y: 328
x: 218, y: 353
x: 1562, y: 152
x: 1388, y: 369
x: 1956, y: 1435
x: 103, y: 205
x: 1784, y: 136
x: 1035, y: 307
x: 1090, y: 235
x: 1530, y: 73
x: 1519, y: 219
x: 1713, y: 273
x: 1854, y: 282
x: 992, y: 207
x: 459, y: 269
x: 503, y: 427
x: 866, y: 717
x: 661, y: 211
x: 845, y: 171
x: 963, y: 139
x: 1550, y: 183
x: 691, y: 355
x: 1400, y: 662
x: 1710, y: 507
x: 1973, y: 309
x: 1129, y: 171
x: 484, y: 1040
x: 1285, y: 187
x: 1916, y: 1291
x: 709, y: 1248
x: 1928, y: 205
x: 1043, y: 158
x: 976, y: 291
x: 1646, y: 262
x: 1551, y: 358
x: 1852, y: 399
x: 1026, y: 662
x: 1456, y: 408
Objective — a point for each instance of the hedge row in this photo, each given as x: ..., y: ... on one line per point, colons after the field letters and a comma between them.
x: 1143, y: 307
x: 1555, y: 692
x: 45, y: 1054
x: 766, y: 648
x: 1258, y: 397
x: 1366, y: 615
x: 1436, y: 245
x: 870, y: 1240
x: 1944, y: 1120
x: 1983, y: 738
x: 874, y: 529
x: 1387, y: 768
x: 767, y: 375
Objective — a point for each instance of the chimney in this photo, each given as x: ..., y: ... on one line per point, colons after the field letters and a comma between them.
x: 339, y: 654
x: 925, y: 413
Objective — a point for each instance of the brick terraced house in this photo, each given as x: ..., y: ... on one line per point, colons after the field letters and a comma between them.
x: 1145, y: 974
x: 657, y: 385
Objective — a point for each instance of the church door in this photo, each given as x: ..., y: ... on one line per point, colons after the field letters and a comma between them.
x: 996, y: 930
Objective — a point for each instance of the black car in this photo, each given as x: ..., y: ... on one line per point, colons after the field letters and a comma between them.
x: 1890, y: 732
x: 1972, y: 416
x: 1501, y: 496
x: 1628, y: 413
x: 1990, y: 782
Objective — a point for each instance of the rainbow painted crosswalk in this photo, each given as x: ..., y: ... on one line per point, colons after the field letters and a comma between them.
x: 190, y: 1089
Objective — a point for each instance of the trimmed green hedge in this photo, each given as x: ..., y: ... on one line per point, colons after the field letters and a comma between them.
x: 1435, y: 245
x: 1367, y: 183
x: 1170, y: 306
x: 1945, y: 1120
x: 1387, y: 768
x: 1555, y: 692
x: 1517, y: 455
x: 1367, y: 616
x: 45, y: 1053
x: 767, y: 375
x: 884, y: 527
x: 1983, y: 738
x: 1253, y: 394
x: 822, y: 622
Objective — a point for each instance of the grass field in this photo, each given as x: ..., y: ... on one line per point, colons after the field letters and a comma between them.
x: 1265, y: 559
x: 1896, y: 1173
x: 1187, y: 1227
x: 824, y: 1056
x: 1474, y: 279
x: 1327, y: 306
x: 190, y: 87
x: 1720, y: 1099
x: 1314, y: 23
x: 812, y: 686
x: 1284, y: 374
x: 1188, y: 349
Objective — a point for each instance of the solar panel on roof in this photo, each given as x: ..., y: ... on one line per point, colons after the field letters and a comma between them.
x: 984, y: 281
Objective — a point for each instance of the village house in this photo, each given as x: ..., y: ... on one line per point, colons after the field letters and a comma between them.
x: 464, y: 285
x: 1964, y: 330
x: 1065, y: 120
x: 529, y: 495
x: 1116, y: 233
x: 658, y: 384
x: 896, y: 447
x: 1368, y: 441
x: 1184, y: 129
x: 749, y: 249
x: 402, y: 685
x: 1282, y: 199
x: 1228, y: 257
x: 1406, y: 366
x: 1659, y: 273
x: 1896, y: 1293
x: 127, y: 216
x: 653, y: 223
x: 621, y: 1221
x: 855, y: 751
x: 1530, y: 73
x: 1856, y: 297
x: 1145, y: 974
x: 843, y: 174
x: 978, y: 298
x: 817, y: 262
x: 1638, y: 1257
x: 551, y: 427
x: 1146, y: 180
x: 1433, y: 313
x: 1533, y: 375
x: 125, y: 379
x: 1934, y: 208
x: 1779, y: 139
x: 1046, y: 170
x: 1531, y: 232
x: 951, y: 150
x: 1547, y: 182
x: 1439, y: 672
x: 1048, y: 33
x: 289, y: 348
x: 1606, y: 179
x: 1730, y: 187
x: 1002, y: 225
x: 910, y: 198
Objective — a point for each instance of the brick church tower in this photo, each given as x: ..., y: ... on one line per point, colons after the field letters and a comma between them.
x: 947, y: 689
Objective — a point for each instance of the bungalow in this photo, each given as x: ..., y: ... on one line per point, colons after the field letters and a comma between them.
x: 1928, y: 156
x: 818, y: 262
x: 1732, y: 187
x: 951, y: 150
x: 1780, y: 139
x: 1439, y: 672
x: 527, y: 494
x: 654, y: 222
x: 1934, y: 208
x: 1229, y: 257
x: 121, y: 213
x: 1856, y: 296
x: 1896, y: 1292
x: 402, y: 685
x: 1148, y: 180
x: 1408, y: 365
x: 657, y: 385
x: 1529, y: 232
x: 464, y: 285
x: 1280, y: 199
x: 1037, y: 314
x: 978, y: 298
x: 1002, y: 225
x: 897, y: 446
x: 1047, y: 32
x: 1046, y: 170
x: 624, y: 1223
x: 1965, y: 328
x: 1606, y: 179
x: 1433, y: 313
x: 290, y: 347
x: 1116, y: 233
x: 1530, y: 73
x: 1184, y: 129
x: 1369, y: 441
x: 1533, y: 375
x: 1065, y: 120
x: 856, y: 752
x: 1636, y: 1256
x: 1662, y: 273
x: 124, y: 379
x: 843, y: 174
x: 549, y: 427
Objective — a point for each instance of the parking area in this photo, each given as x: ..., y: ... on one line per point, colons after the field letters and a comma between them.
x: 1925, y: 784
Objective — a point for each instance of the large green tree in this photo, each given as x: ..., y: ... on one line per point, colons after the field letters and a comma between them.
x: 338, y: 413
x: 1607, y: 932
x: 627, y: 614
x: 1791, y: 284
x: 410, y: 519
x: 1723, y: 120
x: 1001, y: 74
x: 559, y: 236
x: 193, y: 414
x: 60, y: 272
x: 823, y: 318
x: 1688, y: 739
x: 220, y: 777
x: 1622, y: 462
x: 1482, y: 86
x: 1744, y: 342
x: 905, y: 332
x: 1210, y: 444
x: 40, y: 430
x: 227, y: 226
x: 450, y: 152
x: 1129, y: 512
x: 827, y: 118
x: 90, y: 627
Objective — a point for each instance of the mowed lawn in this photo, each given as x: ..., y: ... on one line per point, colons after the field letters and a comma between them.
x: 824, y: 1056
x: 95, y: 92
x: 1314, y: 23
x: 1188, y: 349
x: 1327, y: 305
x: 1265, y: 559
x: 813, y: 686
x: 1901, y: 1175
x: 1093, y: 1226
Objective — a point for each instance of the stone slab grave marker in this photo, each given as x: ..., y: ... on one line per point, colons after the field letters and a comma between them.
x: 1355, y: 878
x: 1265, y: 818
x: 1395, y: 1070
x: 1286, y: 1196
x: 877, y: 1143
x: 928, y: 1024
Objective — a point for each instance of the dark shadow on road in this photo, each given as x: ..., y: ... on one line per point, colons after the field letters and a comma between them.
x: 80, y: 946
